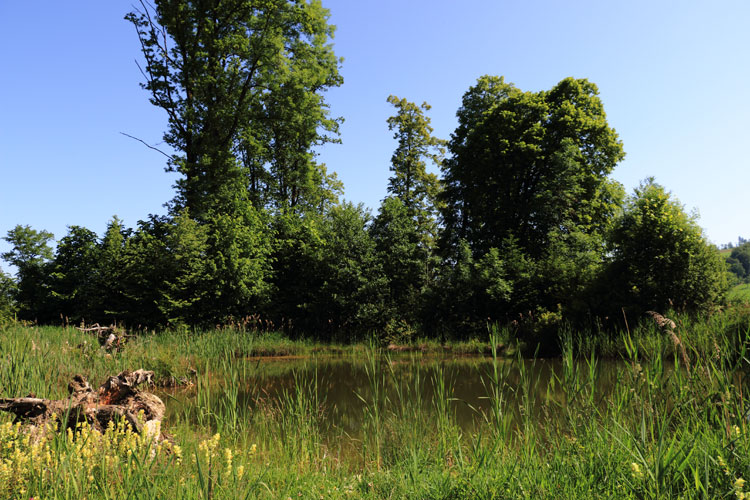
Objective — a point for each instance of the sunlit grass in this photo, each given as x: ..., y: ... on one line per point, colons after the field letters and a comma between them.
x: 740, y: 293
x: 660, y: 431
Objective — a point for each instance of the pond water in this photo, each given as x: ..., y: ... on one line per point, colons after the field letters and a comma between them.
x: 344, y: 387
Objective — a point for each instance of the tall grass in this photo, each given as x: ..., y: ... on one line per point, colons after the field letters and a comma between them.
x: 656, y: 430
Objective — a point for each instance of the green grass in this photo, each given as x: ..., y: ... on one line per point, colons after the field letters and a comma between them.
x: 740, y: 293
x: 665, y: 430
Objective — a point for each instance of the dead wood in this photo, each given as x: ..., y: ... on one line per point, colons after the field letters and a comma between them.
x: 117, y: 398
x: 109, y: 337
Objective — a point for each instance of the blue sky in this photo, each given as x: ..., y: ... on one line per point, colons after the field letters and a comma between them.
x: 673, y: 77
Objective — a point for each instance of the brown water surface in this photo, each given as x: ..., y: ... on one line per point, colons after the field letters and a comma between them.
x: 343, y: 386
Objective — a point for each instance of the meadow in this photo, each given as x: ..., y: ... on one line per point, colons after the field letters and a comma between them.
x: 670, y: 421
x: 739, y: 293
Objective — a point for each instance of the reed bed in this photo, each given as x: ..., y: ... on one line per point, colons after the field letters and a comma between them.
x: 659, y: 431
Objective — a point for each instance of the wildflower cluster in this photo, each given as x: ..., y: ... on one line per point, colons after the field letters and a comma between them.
x: 82, y: 455
x: 636, y: 472
x: 218, y: 464
x: 738, y: 487
x: 18, y: 457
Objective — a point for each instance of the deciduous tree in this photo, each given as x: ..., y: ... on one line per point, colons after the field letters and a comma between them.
x: 31, y: 254
x: 525, y: 164
x: 661, y: 258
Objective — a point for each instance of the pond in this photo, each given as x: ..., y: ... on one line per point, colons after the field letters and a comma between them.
x: 344, y: 389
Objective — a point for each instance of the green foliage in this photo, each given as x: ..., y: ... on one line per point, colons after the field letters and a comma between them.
x: 350, y: 298
x: 405, y: 260
x: 186, y: 244
x: 74, y: 290
x: 111, y: 273
x: 738, y: 262
x: 406, y: 227
x: 241, y: 83
x: 238, y: 272
x: 528, y: 177
x: 30, y: 254
x: 297, y: 252
x: 8, y: 292
x: 471, y: 292
x: 143, y: 260
x: 532, y: 232
x: 178, y: 271
x: 30, y: 248
x: 526, y: 165
x: 411, y: 183
x: 661, y: 258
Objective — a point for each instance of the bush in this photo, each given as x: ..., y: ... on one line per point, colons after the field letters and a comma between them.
x: 661, y: 258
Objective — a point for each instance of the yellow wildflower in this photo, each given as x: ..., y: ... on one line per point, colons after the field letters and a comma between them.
x: 635, y: 471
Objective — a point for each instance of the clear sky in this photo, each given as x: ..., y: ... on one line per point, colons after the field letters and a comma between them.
x: 673, y: 76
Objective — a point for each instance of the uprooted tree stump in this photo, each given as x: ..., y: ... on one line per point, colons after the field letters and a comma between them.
x: 110, y: 337
x: 117, y: 398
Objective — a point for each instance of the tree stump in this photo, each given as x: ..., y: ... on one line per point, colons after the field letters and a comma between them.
x: 109, y: 337
x: 117, y: 398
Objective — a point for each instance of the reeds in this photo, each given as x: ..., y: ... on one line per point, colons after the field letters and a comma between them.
x: 576, y: 427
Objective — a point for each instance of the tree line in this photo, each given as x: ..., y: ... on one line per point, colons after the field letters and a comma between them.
x: 524, y: 226
x: 738, y: 260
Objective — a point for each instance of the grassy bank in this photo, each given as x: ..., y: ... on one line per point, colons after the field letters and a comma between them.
x: 740, y: 293
x: 671, y: 427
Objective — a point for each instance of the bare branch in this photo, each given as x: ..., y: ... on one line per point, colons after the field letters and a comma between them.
x: 148, y: 145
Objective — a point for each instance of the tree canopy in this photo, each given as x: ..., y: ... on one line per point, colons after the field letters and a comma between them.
x: 525, y: 164
x: 241, y: 83
x: 661, y: 258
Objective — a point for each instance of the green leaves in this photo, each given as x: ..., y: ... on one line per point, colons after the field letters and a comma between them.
x: 241, y: 82
x: 524, y: 164
x: 661, y: 258
x: 30, y: 254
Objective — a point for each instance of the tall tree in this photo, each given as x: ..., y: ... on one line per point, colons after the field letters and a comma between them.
x: 277, y: 148
x: 405, y: 260
x: 242, y: 83
x: 8, y: 292
x: 410, y: 182
x: 525, y: 164
x: 739, y: 261
x: 110, y: 272
x: 31, y: 254
x: 528, y: 175
x: 406, y: 226
x: 73, y: 275
x: 349, y: 299
x: 213, y: 66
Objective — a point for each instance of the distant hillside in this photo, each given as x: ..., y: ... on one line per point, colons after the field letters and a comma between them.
x: 738, y: 260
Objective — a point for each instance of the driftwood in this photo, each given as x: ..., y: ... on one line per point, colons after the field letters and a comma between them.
x: 110, y: 337
x: 117, y: 398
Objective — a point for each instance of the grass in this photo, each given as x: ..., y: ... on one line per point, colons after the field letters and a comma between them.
x: 663, y: 430
x: 740, y: 293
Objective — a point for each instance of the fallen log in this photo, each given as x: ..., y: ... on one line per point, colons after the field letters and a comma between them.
x: 117, y: 398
